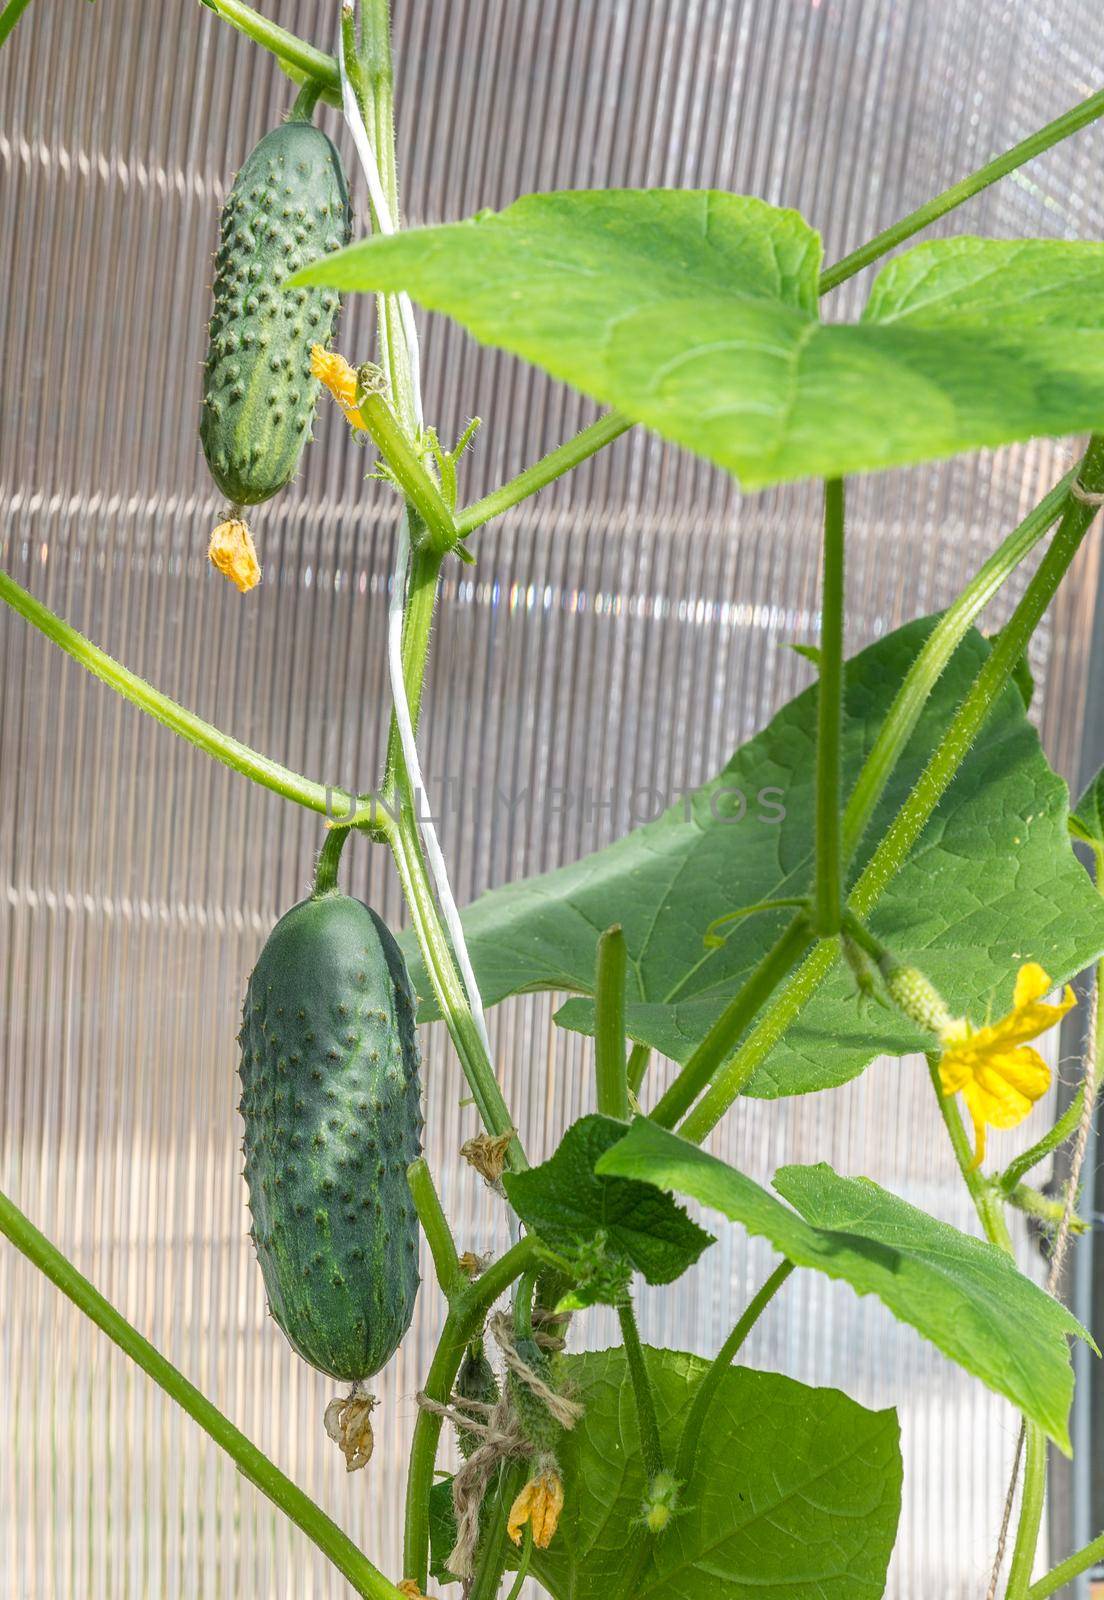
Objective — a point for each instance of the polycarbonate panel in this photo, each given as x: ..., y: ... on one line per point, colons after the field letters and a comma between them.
x: 616, y: 640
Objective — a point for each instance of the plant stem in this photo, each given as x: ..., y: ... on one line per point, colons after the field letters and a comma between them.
x: 1071, y: 121
x: 10, y: 16
x: 447, y: 988
x: 609, y: 1034
x: 829, y: 880
x: 650, y: 1447
x: 723, y: 1037
x: 1072, y: 1567
x: 491, y: 1558
x: 894, y: 848
x: 295, y: 56
x: 940, y: 645
x: 465, y: 1318
x: 415, y: 481
x: 523, y: 1568
x: 250, y: 763
x: 251, y: 1462
x: 563, y: 459
x: 442, y: 1246
x: 1031, y: 1513
x: 329, y: 858
x: 990, y: 682
x: 710, y: 1381
x: 639, y: 1057
x: 421, y: 602
x: 987, y: 1202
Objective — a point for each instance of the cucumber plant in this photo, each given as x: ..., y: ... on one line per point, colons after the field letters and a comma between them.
x: 921, y: 798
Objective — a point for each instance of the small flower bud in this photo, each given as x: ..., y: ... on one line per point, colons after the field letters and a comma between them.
x: 660, y: 1503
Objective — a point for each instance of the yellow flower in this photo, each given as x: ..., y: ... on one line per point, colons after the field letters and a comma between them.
x: 232, y: 551
x: 995, y: 1068
x: 539, y: 1504
x: 334, y: 373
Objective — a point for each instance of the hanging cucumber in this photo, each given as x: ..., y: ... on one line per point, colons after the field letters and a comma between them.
x: 331, y: 1104
x: 289, y: 205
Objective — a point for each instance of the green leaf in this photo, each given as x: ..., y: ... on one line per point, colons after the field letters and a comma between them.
x: 1087, y: 821
x: 795, y: 1493
x: 442, y: 1531
x: 965, y: 1295
x: 695, y: 312
x: 993, y: 882
x: 566, y: 1203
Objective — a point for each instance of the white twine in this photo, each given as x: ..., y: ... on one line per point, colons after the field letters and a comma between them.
x: 386, y: 224
x: 1087, y: 497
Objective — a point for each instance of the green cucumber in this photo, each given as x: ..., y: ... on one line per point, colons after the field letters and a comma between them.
x: 332, y: 1110
x: 475, y: 1381
x: 289, y: 206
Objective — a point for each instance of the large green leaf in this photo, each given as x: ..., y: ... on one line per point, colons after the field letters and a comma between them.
x: 795, y: 1493
x: 567, y: 1203
x: 963, y: 1294
x: 695, y: 312
x: 993, y: 882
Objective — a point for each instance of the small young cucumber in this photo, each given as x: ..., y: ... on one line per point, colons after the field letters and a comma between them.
x: 331, y: 1104
x: 289, y: 205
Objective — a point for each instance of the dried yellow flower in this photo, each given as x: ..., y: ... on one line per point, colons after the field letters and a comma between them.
x: 539, y: 1504
x: 472, y: 1265
x: 335, y: 374
x: 232, y: 551
x: 487, y: 1153
x: 411, y: 1589
x: 348, y: 1423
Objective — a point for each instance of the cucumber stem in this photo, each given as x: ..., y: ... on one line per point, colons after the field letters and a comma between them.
x: 305, y: 102
x: 325, y: 871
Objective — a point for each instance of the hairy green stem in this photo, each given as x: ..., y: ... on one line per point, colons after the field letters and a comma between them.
x: 252, y: 1463
x: 295, y: 56
x: 829, y: 875
x: 10, y: 16
x: 410, y: 473
x: 447, y: 987
x: 250, y: 763
x: 1071, y: 121
x: 329, y: 859
x: 650, y: 1446
x: 928, y: 667
x: 1072, y: 1567
x: 421, y: 603
x: 609, y: 1034
x: 431, y: 1215
x: 565, y: 458
x: 706, y: 1389
x: 639, y: 1057
x: 466, y: 1315
x: 523, y: 1567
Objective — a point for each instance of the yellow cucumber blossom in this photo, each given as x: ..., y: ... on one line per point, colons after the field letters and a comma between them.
x: 335, y: 374
x: 539, y: 1504
x: 998, y: 1073
x: 232, y: 551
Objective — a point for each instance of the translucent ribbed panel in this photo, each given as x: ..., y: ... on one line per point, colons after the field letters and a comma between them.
x: 614, y: 643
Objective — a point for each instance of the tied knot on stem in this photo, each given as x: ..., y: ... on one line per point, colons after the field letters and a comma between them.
x: 500, y: 1435
x: 348, y: 1422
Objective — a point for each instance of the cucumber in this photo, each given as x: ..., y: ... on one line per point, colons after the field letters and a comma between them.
x: 475, y: 1381
x: 289, y: 205
x: 332, y: 1109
